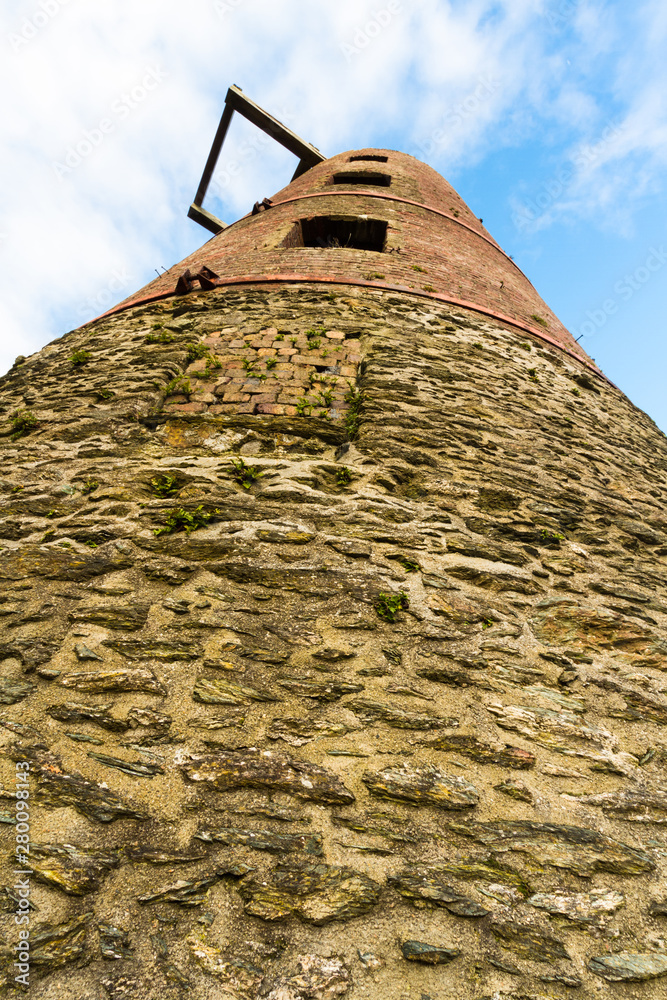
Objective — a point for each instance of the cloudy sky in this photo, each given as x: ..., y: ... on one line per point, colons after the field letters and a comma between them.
x: 548, y: 116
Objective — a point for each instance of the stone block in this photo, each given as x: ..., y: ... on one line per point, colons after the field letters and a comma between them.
x: 235, y: 397
x: 191, y: 407
x: 270, y: 408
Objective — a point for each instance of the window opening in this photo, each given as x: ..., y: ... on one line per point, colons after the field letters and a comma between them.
x: 362, y: 177
x: 378, y: 159
x: 324, y: 231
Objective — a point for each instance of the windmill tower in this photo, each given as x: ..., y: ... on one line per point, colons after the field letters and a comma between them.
x: 334, y: 622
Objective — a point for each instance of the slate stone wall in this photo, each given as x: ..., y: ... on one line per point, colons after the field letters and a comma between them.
x: 364, y: 699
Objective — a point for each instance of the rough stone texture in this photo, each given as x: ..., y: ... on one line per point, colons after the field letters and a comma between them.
x: 629, y: 968
x: 271, y: 752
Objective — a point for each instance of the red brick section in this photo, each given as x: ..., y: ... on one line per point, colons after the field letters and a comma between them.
x: 435, y: 245
x: 270, y: 372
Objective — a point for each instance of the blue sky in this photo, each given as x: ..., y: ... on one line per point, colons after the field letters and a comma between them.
x: 548, y: 116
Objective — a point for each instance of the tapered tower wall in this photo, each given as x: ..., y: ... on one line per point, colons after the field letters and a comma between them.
x: 434, y: 245
x: 354, y: 689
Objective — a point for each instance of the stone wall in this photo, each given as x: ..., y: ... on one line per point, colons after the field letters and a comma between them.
x: 368, y: 703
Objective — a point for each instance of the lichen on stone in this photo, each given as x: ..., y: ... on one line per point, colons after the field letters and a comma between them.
x: 425, y: 883
x: 316, y: 893
x: 192, y: 892
x: 424, y: 786
x: 369, y: 711
x: 252, y: 768
x: 77, y: 871
x: 428, y: 954
x: 574, y: 848
x: 264, y: 840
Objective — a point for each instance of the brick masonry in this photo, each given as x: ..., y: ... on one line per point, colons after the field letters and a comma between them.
x: 289, y: 372
x: 435, y: 245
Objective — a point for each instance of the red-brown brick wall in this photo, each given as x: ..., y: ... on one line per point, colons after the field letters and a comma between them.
x: 308, y: 372
x: 435, y: 245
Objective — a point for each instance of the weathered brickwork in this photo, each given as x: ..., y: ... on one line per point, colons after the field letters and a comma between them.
x: 445, y: 252
x: 268, y: 371
x: 357, y: 689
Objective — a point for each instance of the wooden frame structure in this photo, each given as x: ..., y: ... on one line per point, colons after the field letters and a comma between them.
x: 236, y: 100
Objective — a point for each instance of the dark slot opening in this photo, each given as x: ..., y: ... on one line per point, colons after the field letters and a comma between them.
x: 362, y: 177
x: 378, y: 159
x: 352, y: 234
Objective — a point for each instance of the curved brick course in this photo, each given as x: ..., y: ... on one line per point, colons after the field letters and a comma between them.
x: 435, y: 246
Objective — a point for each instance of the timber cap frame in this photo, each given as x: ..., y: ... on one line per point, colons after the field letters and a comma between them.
x: 236, y: 100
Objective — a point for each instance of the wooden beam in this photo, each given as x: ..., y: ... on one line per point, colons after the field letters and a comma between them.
x: 206, y: 219
x: 214, y: 154
x: 237, y: 100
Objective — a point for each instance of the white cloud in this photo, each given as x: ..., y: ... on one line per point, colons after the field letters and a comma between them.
x: 608, y: 110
